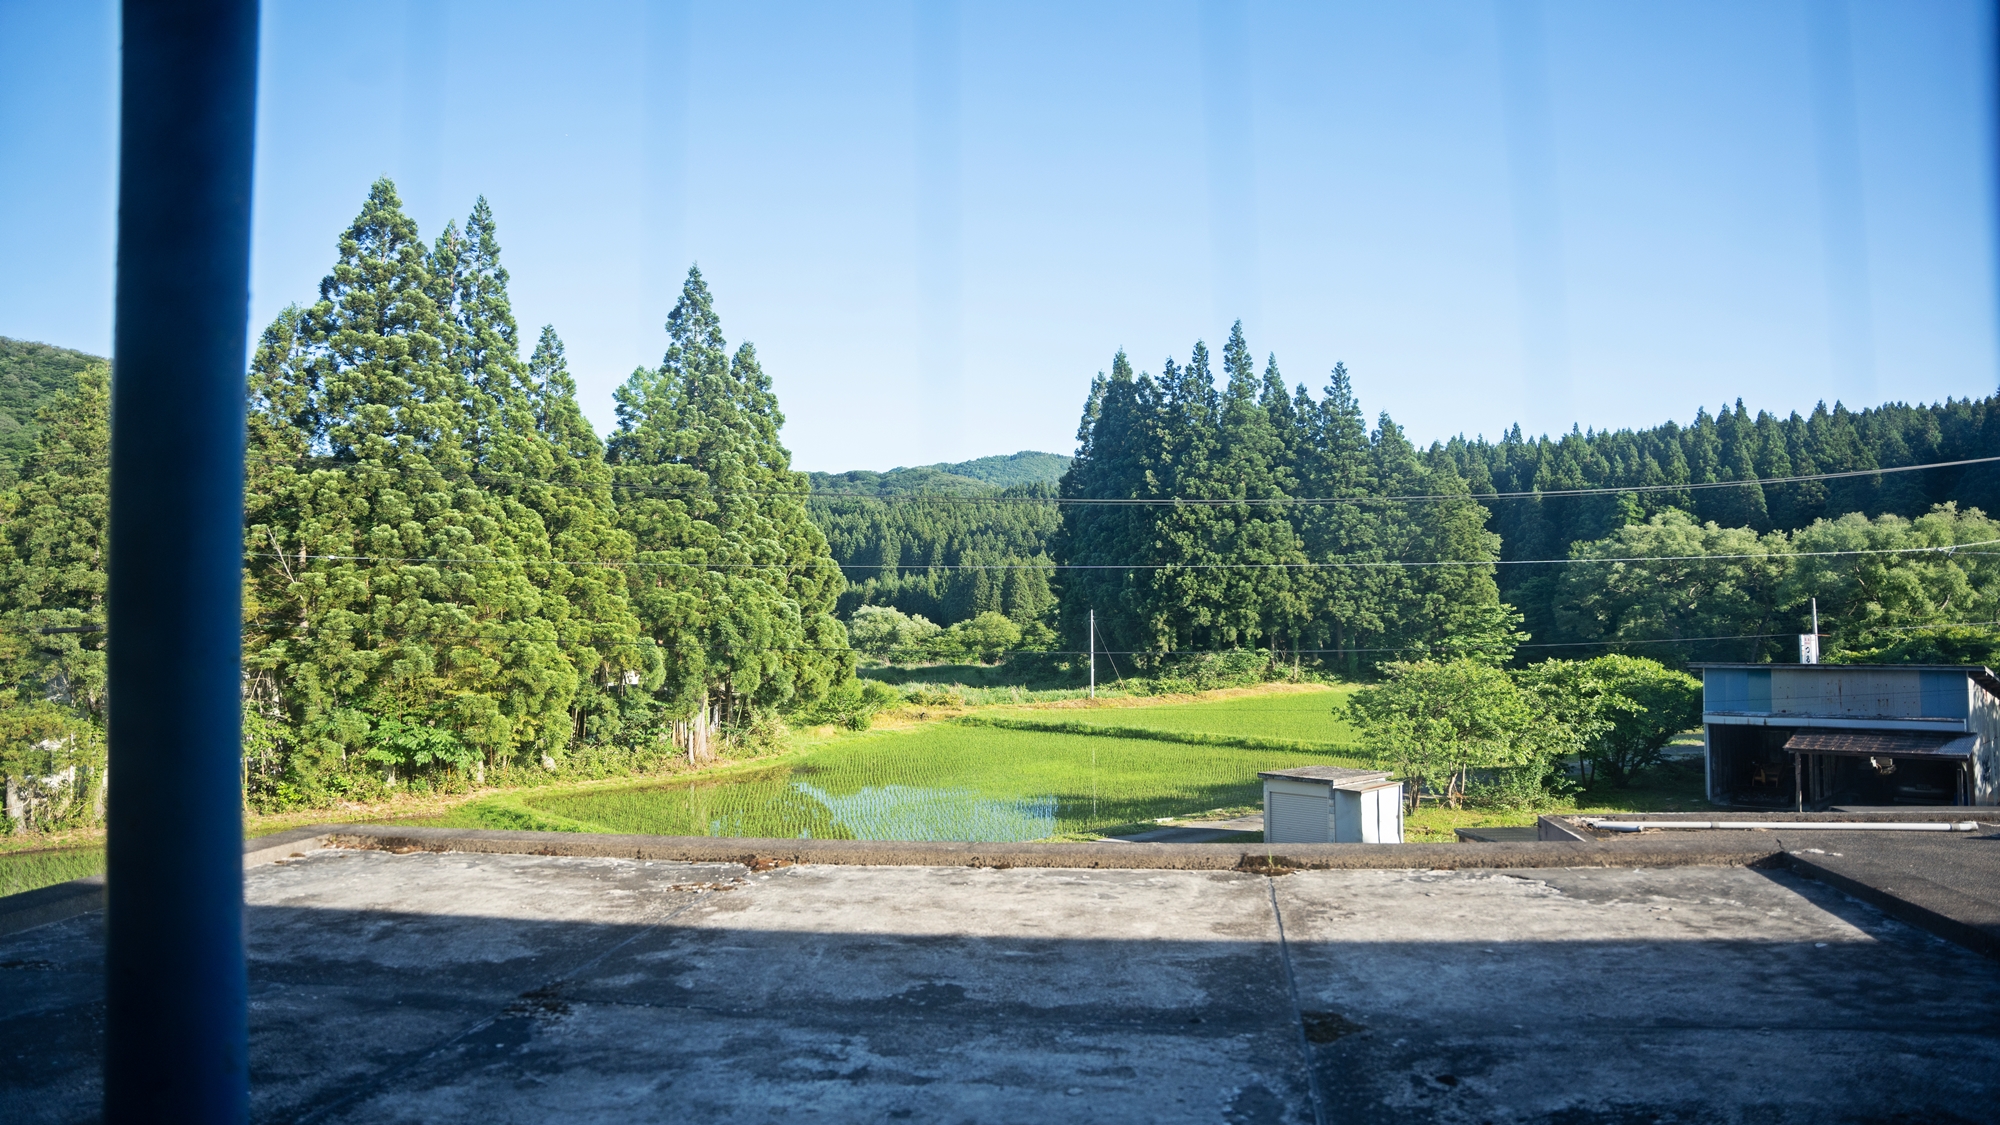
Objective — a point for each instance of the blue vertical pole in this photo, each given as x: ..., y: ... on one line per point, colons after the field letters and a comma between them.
x: 176, y: 1017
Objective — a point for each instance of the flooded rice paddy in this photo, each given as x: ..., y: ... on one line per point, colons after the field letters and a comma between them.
x: 947, y: 781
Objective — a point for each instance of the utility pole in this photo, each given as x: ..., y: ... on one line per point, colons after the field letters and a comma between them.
x: 1093, y: 654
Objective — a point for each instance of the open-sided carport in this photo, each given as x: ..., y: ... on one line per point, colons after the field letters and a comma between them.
x: 1812, y: 736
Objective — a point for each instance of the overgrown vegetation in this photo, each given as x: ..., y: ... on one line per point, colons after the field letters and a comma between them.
x: 1466, y: 731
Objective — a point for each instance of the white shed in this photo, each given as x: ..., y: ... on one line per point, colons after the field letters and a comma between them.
x: 1331, y: 805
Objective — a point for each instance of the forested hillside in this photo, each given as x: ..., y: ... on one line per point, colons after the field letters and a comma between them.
x: 897, y: 482
x: 1729, y: 445
x: 945, y: 558
x: 31, y: 374
x: 946, y: 542
x: 962, y: 478
x: 1008, y: 470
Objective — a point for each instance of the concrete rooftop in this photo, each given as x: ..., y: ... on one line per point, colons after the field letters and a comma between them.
x: 445, y: 986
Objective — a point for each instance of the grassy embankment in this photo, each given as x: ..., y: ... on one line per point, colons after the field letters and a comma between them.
x: 25, y: 868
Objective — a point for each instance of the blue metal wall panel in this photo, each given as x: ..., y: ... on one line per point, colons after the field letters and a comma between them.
x: 1757, y: 691
x: 1944, y: 695
x: 1724, y: 689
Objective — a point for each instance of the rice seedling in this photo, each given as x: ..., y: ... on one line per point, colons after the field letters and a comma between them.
x: 27, y: 870
x: 1313, y: 716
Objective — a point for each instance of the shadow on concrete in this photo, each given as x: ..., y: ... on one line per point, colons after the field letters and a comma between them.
x: 719, y: 1009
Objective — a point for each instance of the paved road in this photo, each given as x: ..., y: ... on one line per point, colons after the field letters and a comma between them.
x: 1197, y: 831
x: 516, y: 988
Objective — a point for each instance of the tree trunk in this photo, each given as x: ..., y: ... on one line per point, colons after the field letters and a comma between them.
x: 698, y: 733
x: 14, y: 811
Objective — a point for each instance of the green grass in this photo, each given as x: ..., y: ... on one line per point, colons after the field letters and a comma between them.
x: 945, y: 781
x: 1305, y: 718
x: 1672, y: 786
x: 1022, y: 681
x: 27, y: 870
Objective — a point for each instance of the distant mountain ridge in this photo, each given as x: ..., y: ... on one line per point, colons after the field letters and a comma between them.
x: 1007, y: 470
x: 30, y: 374
x: 950, y: 478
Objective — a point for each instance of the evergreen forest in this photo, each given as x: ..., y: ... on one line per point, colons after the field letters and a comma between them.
x: 451, y: 577
x: 1270, y: 518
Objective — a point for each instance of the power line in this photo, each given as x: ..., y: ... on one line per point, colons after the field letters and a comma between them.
x: 652, y: 643
x: 646, y: 642
x: 1533, y: 494
x: 704, y: 491
x: 1337, y: 565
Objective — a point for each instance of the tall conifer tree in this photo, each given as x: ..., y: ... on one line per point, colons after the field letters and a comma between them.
x: 54, y: 537
x: 394, y: 606
x: 535, y: 452
x: 1115, y: 460
x: 737, y: 584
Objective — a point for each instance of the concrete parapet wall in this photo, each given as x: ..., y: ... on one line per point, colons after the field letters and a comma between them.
x: 1736, y: 850
x: 43, y: 905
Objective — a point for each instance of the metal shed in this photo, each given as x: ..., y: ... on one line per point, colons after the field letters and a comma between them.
x: 1815, y: 736
x: 1329, y: 804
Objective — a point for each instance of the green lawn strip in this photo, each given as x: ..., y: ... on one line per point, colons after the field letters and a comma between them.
x: 1674, y: 786
x: 503, y: 810
x: 28, y: 870
x: 1153, y: 734
x: 1308, y: 716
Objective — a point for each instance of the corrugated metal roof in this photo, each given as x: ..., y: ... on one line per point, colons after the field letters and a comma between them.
x: 1883, y: 743
x: 1968, y: 668
x: 1333, y: 774
x: 1981, y: 675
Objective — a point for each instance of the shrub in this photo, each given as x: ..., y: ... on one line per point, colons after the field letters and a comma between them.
x: 852, y: 705
x: 1436, y: 723
x: 987, y: 639
x: 1647, y: 704
x: 1207, y: 671
x: 890, y: 634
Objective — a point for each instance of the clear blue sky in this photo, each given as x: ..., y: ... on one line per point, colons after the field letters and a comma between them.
x: 937, y: 221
